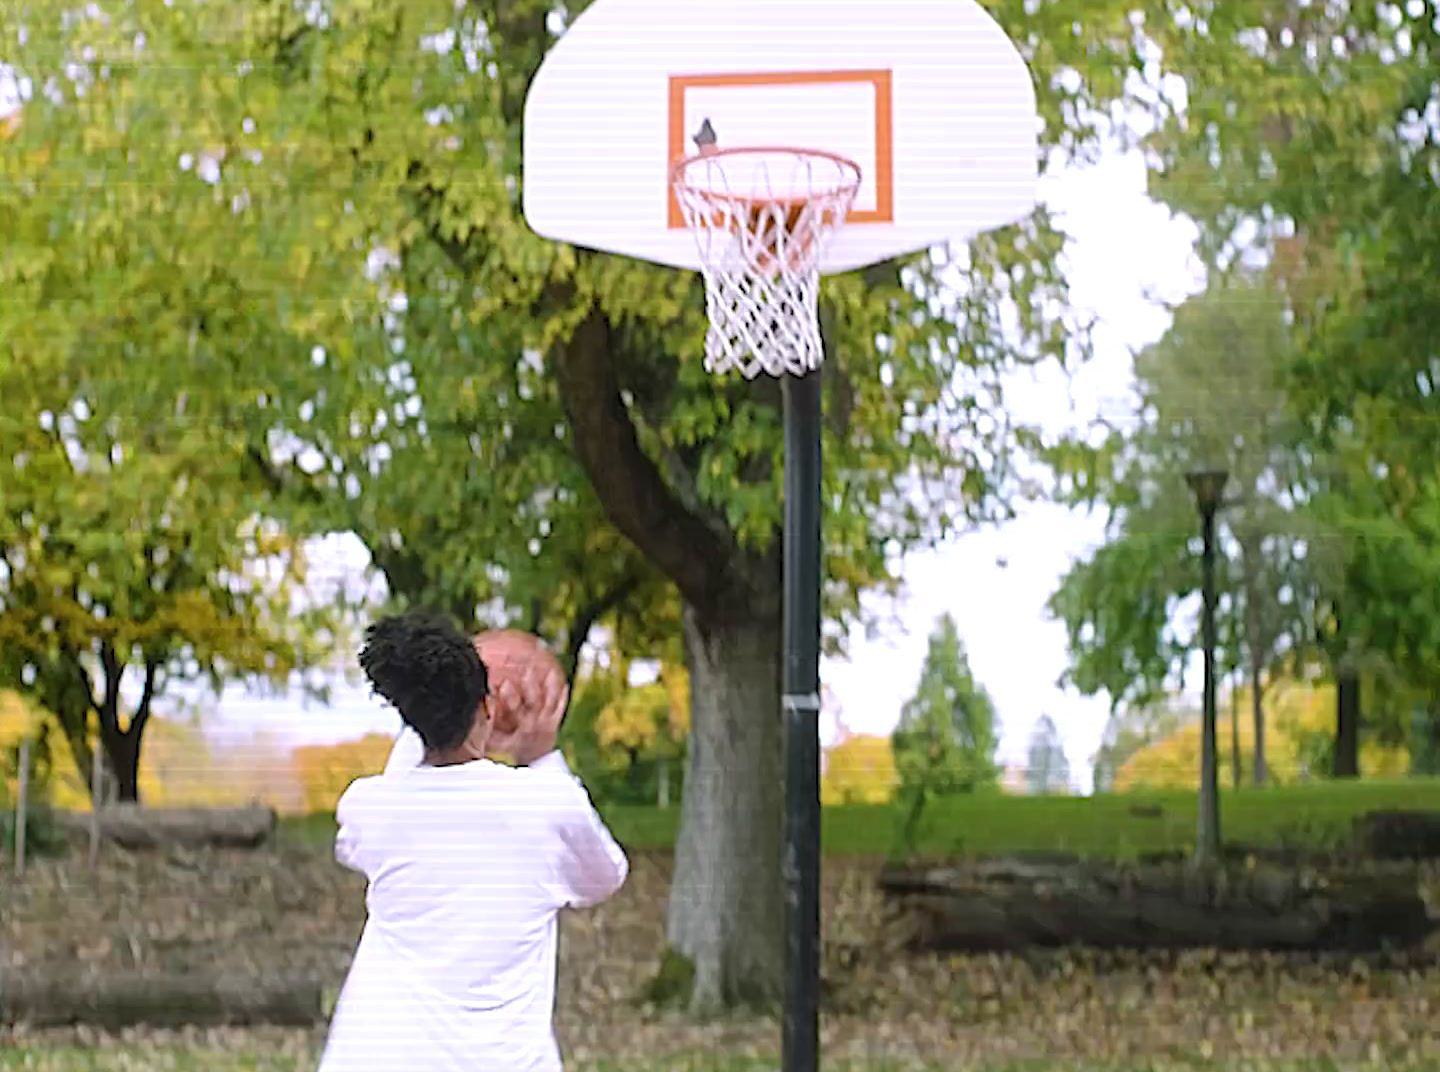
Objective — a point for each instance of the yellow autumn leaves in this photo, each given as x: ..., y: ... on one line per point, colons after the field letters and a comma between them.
x: 1300, y: 722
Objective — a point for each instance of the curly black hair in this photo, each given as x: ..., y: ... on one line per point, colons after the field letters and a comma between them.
x: 430, y: 672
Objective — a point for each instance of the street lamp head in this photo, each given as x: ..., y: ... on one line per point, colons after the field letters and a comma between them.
x: 1208, y: 486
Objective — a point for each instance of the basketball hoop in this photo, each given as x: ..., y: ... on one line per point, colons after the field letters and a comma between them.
x: 761, y: 219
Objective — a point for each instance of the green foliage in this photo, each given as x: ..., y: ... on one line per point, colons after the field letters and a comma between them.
x: 672, y: 984
x: 136, y: 550
x: 945, y: 740
x: 1209, y: 395
x: 1321, y: 559
x: 1317, y: 138
x: 518, y: 432
x: 1317, y: 154
x: 1118, y: 606
x: 18, y: 726
x: 355, y: 389
x: 615, y: 738
x: 590, y: 695
x: 44, y: 836
x: 643, y: 735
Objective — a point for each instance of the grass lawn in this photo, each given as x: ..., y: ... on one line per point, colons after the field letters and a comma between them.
x: 1313, y: 816
x: 169, y: 1058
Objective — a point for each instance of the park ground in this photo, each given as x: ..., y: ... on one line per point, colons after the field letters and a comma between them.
x: 290, y: 909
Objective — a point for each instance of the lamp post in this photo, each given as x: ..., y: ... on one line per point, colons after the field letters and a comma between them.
x: 1208, y: 487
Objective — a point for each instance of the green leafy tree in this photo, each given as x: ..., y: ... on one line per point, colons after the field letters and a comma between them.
x: 136, y: 551
x: 1216, y: 392
x: 520, y: 431
x: 945, y: 741
x: 1209, y: 393
x: 1317, y: 155
x: 124, y: 574
x: 1047, y: 769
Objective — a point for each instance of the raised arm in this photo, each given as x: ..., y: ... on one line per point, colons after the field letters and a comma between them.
x: 348, y: 846
x: 592, y: 865
x: 407, y: 753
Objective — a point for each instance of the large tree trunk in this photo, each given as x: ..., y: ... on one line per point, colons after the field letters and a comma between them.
x: 123, y: 751
x: 122, y: 746
x: 1347, y: 725
x: 1235, y: 762
x: 1256, y: 649
x: 726, y: 912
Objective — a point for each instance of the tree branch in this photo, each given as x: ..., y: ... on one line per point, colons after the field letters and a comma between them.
x: 586, y: 617
x: 147, y: 696
x: 282, y: 483
x: 631, y: 490
x: 404, y: 576
x: 109, y: 707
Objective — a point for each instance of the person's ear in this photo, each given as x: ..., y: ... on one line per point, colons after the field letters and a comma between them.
x: 480, y: 729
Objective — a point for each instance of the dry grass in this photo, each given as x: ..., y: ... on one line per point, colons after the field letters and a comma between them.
x: 292, y: 910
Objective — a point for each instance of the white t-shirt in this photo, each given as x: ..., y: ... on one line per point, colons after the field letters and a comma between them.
x: 468, y: 867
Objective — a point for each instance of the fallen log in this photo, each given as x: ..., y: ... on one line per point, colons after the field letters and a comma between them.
x: 60, y: 998
x: 1398, y: 835
x: 134, y: 826
x: 1009, y: 905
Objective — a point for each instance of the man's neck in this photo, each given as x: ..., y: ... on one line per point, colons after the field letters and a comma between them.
x: 450, y: 757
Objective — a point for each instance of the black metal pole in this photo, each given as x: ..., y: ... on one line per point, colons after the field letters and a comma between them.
x: 800, y: 1044
x: 1209, y: 832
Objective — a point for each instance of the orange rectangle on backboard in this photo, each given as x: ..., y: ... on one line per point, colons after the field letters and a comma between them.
x: 881, y: 173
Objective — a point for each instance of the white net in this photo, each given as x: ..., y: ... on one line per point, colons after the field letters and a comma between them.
x: 762, y: 218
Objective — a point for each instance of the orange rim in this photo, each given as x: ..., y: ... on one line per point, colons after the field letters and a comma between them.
x: 678, y: 169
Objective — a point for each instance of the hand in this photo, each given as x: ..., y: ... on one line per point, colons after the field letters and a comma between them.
x: 530, y: 713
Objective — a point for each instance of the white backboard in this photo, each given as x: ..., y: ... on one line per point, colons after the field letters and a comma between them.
x: 929, y: 97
